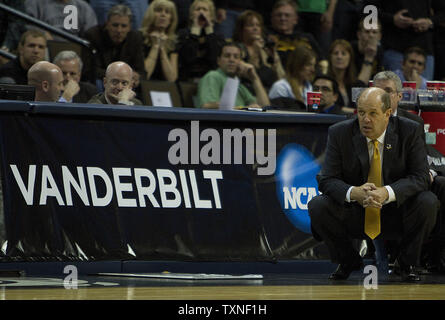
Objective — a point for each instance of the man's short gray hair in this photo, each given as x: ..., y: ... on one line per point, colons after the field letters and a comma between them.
x: 120, y: 10
x: 68, y: 55
x: 389, y: 75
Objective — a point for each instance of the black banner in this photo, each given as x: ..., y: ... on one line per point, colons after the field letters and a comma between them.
x: 93, y: 185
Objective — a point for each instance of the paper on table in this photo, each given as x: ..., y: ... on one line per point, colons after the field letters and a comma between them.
x: 160, y: 99
x: 228, y: 97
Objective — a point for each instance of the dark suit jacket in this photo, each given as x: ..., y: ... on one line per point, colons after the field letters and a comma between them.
x: 346, y: 164
x: 131, y: 51
x: 14, y: 70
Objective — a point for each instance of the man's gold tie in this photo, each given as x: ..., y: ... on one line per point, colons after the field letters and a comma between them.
x: 372, y: 215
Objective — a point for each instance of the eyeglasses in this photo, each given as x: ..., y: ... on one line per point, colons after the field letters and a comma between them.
x: 115, y: 82
x: 390, y: 91
x: 322, y: 89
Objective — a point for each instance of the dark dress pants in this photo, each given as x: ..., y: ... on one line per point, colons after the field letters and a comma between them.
x: 338, y: 224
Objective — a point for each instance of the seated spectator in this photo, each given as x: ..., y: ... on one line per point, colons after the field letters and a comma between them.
x: 183, y: 10
x: 47, y: 78
x: 406, y: 24
x: 31, y: 49
x: 198, y: 45
x: 211, y: 86
x: 74, y: 90
x: 368, y: 51
x: 249, y: 32
x: 12, y: 26
x: 228, y: 11
x: 118, y: 82
x: 329, y: 94
x: 53, y: 13
x: 137, y: 7
x: 413, y: 66
x: 115, y: 41
x: 300, y: 70
x: 342, y: 69
x: 283, y: 30
x: 159, y: 32
x: 317, y: 17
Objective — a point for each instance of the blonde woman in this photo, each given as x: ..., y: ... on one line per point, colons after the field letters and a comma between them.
x: 198, y: 45
x: 159, y: 32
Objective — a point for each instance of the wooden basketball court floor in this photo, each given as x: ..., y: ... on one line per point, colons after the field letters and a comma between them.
x: 271, y: 287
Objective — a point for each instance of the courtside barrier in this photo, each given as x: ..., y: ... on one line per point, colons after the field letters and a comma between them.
x: 94, y: 182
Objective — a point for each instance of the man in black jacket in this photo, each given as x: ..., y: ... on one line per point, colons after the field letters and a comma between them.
x: 401, y: 197
x: 32, y: 48
x: 115, y: 41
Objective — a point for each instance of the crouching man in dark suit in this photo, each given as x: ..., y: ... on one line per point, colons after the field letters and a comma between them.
x: 374, y: 183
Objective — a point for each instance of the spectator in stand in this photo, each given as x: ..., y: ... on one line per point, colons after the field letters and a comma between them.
x: 413, y: 66
x: 346, y: 16
x: 198, y: 45
x: 74, y: 90
x: 367, y: 48
x: 118, y: 84
x: 227, y: 12
x: 342, y: 69
x: 159, y: 33
x: 53, y: 13
x: 408, y: 23
x: 329, y: 94
x: 183, y: 10
x: 47, y: 78
x: 284, y: 32
x: 300, y: 71
x: 249, y: 33
x: 12, y: 26
x: 31, y: 49
x: 211, y: 86
x: 317, y: 17
x: 137, y: 7
x: 115, y: 41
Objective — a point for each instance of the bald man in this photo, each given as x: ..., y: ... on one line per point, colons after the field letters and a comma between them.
x: 118, y: 82
x: 47, y: 78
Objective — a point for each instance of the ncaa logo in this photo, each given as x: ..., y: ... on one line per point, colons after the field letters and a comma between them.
x: 296, y: 184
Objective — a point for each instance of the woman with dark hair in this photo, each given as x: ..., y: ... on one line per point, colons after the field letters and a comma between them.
x: 198, y: 45
x: 159, y: 33
x: 300, y: 70
x: 342, y: 69
x: 249, y: 33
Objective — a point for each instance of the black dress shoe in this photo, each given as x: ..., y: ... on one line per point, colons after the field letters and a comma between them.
x: 409, y: 274
x: 344, y: 270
